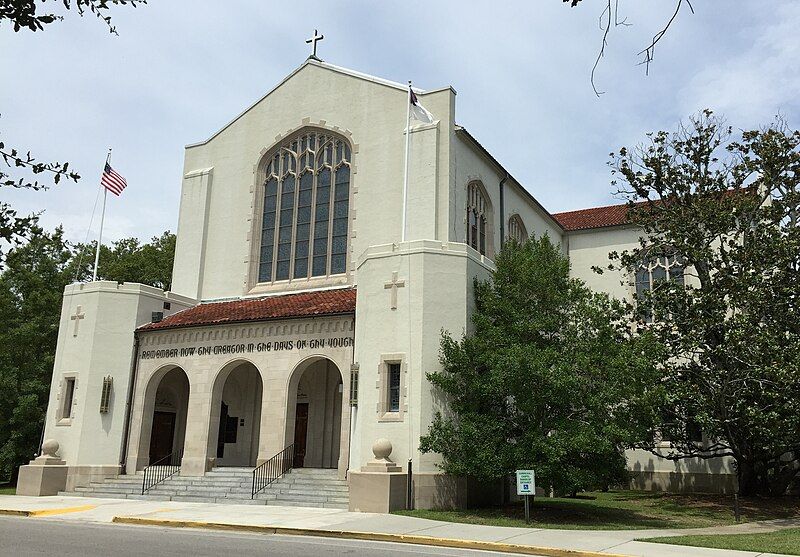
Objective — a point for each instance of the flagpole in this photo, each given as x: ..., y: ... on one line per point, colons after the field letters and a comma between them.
x: 405, y: 173
x: 102, y: 219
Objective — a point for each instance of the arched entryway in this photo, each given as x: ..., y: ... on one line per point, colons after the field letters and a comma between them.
x: 166, y: 404
x: 314, y: 413
x: 235, y: 415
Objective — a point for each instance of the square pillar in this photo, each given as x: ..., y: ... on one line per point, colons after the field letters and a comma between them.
x: 45, y: 475
x: 197, y: 456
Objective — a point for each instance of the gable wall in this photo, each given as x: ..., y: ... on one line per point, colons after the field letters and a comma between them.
x: 213, y: 250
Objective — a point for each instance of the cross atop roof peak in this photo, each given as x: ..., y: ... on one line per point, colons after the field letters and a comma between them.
x: 316, y: 37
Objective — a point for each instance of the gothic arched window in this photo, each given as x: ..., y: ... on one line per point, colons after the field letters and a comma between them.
x: 306, y: 205
x: 517, y: 230
x: 477, y: 217
x: 655, y: 269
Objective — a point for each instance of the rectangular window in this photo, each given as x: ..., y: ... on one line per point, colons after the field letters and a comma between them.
x: 303, y: 227
x: 482, y: 243
x: 285, y: 228
x: 393, y: 388
x: 340, y: 206
x: 68, y: 397
x: 268, y: 230
x: 321, y: 218
x: 354, y: 385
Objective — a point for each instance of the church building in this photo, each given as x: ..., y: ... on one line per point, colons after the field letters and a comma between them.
x: 306, y: 309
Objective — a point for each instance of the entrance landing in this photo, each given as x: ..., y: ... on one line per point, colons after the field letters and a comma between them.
x: 301, y: 487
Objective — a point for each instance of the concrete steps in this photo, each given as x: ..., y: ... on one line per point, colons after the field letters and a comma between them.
x: 308, y: 487
x: 301, y: 487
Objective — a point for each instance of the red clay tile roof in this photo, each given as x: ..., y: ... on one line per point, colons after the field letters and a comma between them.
x: 596, y: 217
x: 286, y: 306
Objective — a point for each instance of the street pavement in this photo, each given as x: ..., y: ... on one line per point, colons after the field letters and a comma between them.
x: 85, y: 511
x: 23, y: 537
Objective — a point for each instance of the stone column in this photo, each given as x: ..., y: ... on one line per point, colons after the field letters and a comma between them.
x: 343, y: 463
x: 141, y: 421
x: 271, y: 434
x: 196, y: 458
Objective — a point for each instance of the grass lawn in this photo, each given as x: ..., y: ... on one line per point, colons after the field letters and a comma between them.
x: 7, y: 490
x: 623, y: 510
x: 783, y: 541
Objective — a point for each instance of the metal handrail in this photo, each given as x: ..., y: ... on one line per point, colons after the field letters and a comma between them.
x: 161, y: 470
x: 271, y: 470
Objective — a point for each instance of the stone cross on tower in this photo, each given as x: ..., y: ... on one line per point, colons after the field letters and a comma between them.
x: 77, y: 319
x: 394, y: 284
x: 313, y: 41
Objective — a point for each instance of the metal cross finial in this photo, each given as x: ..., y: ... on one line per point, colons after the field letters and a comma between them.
x: 313, y: 41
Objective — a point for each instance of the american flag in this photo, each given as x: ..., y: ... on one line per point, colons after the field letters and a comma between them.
x: 112, y: 180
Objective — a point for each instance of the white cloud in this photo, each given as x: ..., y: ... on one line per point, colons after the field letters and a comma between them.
x: 751, y: 87
x: 181, y: 69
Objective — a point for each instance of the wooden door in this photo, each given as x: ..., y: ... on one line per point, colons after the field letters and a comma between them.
x: 300, y: 433
x: 162, y: 435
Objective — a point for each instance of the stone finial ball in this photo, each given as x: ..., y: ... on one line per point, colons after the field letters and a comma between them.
x: 50, y: 447
x: 382, y: 448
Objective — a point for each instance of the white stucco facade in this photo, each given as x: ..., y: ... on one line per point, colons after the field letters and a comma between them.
x: 360, y: 371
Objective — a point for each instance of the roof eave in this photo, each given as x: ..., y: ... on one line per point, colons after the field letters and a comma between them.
x: 462, y: 132
x: 320, y: 64
x: 144, y: 329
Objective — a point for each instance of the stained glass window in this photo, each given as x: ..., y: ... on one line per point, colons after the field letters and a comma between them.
x: 517, y: 230
x: 304, y: 226
x: 655, y: 270
x: 477, y: 208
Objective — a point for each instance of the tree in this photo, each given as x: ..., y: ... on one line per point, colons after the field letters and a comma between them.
x: 26, y: 14
x: 131, y: 261
x: 551, y: 379
x: 610, y: 18
x: 14, y: 228
x: 729, y: 207
x: 31, y: 288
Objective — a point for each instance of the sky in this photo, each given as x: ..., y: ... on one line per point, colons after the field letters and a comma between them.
x: 181, y: 69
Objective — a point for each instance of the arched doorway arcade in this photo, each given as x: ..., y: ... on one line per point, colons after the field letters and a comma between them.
x: 166, y: 403
x: 314, y: 414
x: 235, y: 415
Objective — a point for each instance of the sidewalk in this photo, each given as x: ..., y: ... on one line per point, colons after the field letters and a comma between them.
x: 343, y: 524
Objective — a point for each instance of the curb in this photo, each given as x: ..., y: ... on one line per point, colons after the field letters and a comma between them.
x: 13, y: 512
x: 365, y: 536
x: 45, y: 512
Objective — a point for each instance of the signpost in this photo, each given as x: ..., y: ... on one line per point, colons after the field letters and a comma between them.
x: 526, y: 486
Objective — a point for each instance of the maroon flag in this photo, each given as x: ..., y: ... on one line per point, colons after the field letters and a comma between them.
x: 112, y: 180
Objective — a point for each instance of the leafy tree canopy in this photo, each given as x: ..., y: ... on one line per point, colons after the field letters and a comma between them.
x: 33, y: 16
x: 551, y: 379
x: 129, y: 260
x: 729, y: 205
x: 31, y: 289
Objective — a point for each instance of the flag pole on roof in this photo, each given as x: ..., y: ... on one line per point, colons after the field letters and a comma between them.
x: 113, y: 182
x: 417, y: 111
x: 405, y: 170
